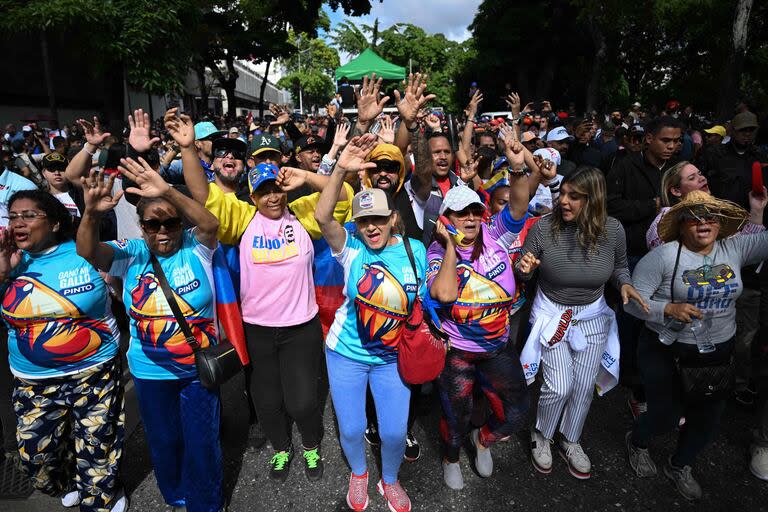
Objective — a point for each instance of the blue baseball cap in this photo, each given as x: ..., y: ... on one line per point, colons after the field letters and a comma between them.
x: 499, y: 162
x: 261, y: 174
x: 206, y: 130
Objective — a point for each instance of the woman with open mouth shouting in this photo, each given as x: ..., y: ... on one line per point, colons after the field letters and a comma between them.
x: 180, y: 416
x: 574, y: 338
x: 473, y: 280
x: 380, y: 287
x: 692, y: 283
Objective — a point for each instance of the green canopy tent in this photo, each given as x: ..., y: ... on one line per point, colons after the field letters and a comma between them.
x: 369, y: 62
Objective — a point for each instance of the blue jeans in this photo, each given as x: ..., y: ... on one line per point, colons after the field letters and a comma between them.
x: 181, y: 424
x: 348, y: 380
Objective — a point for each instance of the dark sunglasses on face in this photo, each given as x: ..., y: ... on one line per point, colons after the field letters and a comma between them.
x: 154, y: 225
x: 476, y: 211
x: 692, y: 219
x: 387, y: 166
x: 236, y: 155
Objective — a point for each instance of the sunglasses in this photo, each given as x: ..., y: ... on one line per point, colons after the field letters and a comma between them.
x: 154, y: 225
x: 236, y: 155
x: 387, y: 166
x: 707, y: 218
x: 476, y: 211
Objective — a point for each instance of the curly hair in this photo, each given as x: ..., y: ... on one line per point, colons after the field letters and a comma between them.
x: 590, y: 222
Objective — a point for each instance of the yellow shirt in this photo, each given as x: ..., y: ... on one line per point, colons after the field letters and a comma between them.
x: 234, y: 215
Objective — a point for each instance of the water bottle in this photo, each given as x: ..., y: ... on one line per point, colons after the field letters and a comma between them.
x: 700, y: 331
x: 671, y: 330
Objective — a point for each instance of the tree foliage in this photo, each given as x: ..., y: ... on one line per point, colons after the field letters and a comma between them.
x: 310, y: 65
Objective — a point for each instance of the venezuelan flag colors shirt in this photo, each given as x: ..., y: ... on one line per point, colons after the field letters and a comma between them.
x: 479, y: 319
x: 379, y: 292
x: 158, y: 349
x: 57, y: 309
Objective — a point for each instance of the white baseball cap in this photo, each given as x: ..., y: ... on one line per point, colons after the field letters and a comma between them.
x: 549, y: 154
x: 459, y: 198
x: 558, y: 134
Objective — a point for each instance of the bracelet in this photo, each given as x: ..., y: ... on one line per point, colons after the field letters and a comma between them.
x: 414, y: 129
x: 85, y: 148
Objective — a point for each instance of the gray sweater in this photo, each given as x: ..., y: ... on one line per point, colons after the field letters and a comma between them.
x: 567, y: 274
x: 712, y: 284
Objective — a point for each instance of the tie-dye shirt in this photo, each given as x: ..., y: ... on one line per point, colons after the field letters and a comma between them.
x: 379, y: 291
x: 158, y: 349
x: 479, y: 319
x: 57, y: 309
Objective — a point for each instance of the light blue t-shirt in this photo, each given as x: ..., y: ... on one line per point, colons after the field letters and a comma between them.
x: 10, y: 183
x: 158, y: 349
x: 57, y: 309
x: 379, y: 291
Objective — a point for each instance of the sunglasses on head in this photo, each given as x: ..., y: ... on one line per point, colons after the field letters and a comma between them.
x: 237, y: 155
x: 154, y: 225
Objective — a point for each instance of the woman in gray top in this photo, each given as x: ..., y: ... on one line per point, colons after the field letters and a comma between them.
x: 691, y: 283
x: 573, y: 339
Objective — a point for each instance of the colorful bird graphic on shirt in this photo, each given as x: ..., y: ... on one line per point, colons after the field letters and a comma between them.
x: 481, y: 310
x: 381, y: 305
x: 157, y: 328
x: 52, y: 331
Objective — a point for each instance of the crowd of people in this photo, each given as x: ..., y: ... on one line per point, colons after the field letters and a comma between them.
x: 554, y: 257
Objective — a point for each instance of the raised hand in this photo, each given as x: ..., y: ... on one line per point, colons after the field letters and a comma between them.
x: 181, y: 127
x: 281, y: 114
x: 387, y: 132
x: 471, y: 110
x: 468, y: 170
x: 93, y: 134
x: 441, y: 233
x: 408, y: 105
x: 547, y: 168
x: 340, y: 137
x: 291, y: 178
x: 528, y: 263
x: 352, y: 159
x: 369, y: 106
x: 139, y: 136
x: 513, y: 101
x: 433, y: 122
x: 97, y: 192
x: 515, y: 154
x: 150, y: 183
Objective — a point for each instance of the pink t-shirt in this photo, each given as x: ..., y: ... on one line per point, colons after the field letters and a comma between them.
x: 277, y: 288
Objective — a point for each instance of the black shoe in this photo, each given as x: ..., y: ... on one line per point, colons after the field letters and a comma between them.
x: 412, y: 448
x: 745, y: 398
x: 281, y: 465
x: 313, y: 464
x: 256, y: 436
x: 372, y: 436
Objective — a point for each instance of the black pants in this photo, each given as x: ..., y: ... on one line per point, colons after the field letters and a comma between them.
x: 666, y: 403
x: 286, y: 366
x: 7, y: 416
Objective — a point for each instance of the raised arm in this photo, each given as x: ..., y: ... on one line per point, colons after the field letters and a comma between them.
x: 151, y: 184
x: 369, y: 106
x: 351, y: 160
x: 465, y: 145
x: 97, y: 194
x: 291, y: 178
x: 408, y: 107
x: 182, y: 130
x: 80, y: 165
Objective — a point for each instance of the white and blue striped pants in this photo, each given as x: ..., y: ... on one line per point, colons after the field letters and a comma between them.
x: 569, y: 380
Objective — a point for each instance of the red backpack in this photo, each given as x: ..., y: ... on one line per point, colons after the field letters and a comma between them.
x: 420, y: 354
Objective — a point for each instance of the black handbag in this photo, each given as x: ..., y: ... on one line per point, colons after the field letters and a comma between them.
x: 702, y: 377
x: 215, y: 364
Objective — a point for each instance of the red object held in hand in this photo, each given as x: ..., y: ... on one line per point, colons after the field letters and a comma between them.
x: 757, y: 179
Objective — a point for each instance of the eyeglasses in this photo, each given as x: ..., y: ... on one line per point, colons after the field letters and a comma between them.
x: 26, y: 215
x: 236, y: 155
x: 154, y: 225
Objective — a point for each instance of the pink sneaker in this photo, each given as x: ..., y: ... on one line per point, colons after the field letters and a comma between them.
x: 357, y: 495
x: 397, y: 499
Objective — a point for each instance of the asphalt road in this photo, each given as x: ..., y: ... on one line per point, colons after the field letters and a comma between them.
x: 721, y: 470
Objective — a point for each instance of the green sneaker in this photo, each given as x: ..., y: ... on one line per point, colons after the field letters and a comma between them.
x: 313, y: 464
x: 281, y: 464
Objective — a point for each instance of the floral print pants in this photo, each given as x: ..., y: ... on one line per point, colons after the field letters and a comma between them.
x: 70, y: 433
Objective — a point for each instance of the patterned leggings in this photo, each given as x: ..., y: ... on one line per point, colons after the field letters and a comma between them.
x: 71, y: 429
x: 500, y: 376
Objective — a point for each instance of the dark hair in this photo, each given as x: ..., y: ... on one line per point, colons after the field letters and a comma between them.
x: 56, y: 212
x: 114, y: 153
x: 655, y: 125
x: 437, y: 135
x: 58, y: 141
x: 144, y: 203
x: 487, y: 133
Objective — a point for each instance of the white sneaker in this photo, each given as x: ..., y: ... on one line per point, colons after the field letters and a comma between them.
x: 758, y: 463
x: 578, y: 462
x: 541, y: 453
x: 71, y: 499
x: 120, y: 505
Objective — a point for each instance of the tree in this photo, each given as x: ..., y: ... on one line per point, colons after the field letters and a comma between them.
x: 310, y: 68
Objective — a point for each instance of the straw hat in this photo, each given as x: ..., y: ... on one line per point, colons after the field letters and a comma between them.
x: 732, y: 216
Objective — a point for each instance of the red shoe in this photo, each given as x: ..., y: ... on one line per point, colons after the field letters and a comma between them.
x: 397, y: 499
x: 357, y: 495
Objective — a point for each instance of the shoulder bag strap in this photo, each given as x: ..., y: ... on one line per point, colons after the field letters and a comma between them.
x: 160, y: 275
x: 409, y: 251
x: 674, y: 272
